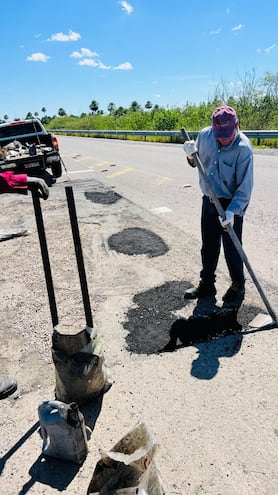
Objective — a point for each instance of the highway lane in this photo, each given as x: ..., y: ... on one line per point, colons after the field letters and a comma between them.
x: 157, y: 177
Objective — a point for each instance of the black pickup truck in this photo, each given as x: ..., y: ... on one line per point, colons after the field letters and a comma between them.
x: 27, y: 147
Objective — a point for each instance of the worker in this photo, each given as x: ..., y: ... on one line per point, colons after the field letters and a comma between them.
x: 19, y: 183
x: 227, y: 158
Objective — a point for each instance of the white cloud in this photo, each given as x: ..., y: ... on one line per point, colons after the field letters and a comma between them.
x: 89, y: 62
x: 72, y: 36
x: 218, y: 31
x: 124, y: 66
x: 237, y: 28
x: 88, y: 59
x: 269, y: 48
x: 103, y: 66
x: 84, y: 52
x: 126, y: 7
x: 37, y: 57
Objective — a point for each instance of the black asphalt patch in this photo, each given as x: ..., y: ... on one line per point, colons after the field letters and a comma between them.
x: 149, y: 322
x: 104, y: 198
x: 134, y: 241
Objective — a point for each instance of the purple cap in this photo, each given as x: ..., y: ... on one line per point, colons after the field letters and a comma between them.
x: 224, y: 122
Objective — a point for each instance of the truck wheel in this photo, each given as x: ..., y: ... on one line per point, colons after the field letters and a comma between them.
x: 56, y: 169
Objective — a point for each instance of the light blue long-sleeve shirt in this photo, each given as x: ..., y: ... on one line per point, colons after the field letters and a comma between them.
x: 229, y: 168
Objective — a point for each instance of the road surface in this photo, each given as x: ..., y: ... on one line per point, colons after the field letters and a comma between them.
x: 211, y: 405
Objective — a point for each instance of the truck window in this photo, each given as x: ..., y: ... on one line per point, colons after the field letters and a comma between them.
x: 13, y: 130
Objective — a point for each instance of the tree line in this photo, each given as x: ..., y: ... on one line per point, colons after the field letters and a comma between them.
x: 256, y: 104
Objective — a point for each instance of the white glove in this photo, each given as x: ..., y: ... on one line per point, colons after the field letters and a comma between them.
x: 190, y: 148
x: 229, y: 219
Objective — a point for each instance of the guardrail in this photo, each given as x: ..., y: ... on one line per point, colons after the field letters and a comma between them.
x: 254, y: 134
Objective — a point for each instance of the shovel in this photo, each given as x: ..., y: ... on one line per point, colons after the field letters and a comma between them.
x: 79, y: 256
x: 45, y: 259
x: 263, y: 321
x: 78, y: 253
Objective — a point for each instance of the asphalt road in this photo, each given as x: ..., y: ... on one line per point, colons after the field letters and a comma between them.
x: 156, y: 177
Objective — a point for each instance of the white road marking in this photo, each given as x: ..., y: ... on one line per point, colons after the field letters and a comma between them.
x: 80, y: 171
x: 160, y: 209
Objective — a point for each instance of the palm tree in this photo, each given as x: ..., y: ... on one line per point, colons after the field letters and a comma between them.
x: 156, y: 107
x: 94, y: 106
x: 135, y: 107
x: 62, y: 112
x: 111, y: 107
x: 120, y: 111
x: 148, y: 105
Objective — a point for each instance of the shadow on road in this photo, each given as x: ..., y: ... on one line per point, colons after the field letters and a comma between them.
x: 206, y: 365
x: 17, y: 445
x: 50, y: 471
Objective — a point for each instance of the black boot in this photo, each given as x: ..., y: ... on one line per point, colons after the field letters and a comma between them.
x: 204, y: 289
x: 235, y: 294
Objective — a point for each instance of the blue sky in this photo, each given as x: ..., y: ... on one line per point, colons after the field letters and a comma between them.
x: 66, y: 53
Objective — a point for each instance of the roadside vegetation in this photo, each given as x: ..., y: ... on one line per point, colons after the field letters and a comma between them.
x: 256, y: 103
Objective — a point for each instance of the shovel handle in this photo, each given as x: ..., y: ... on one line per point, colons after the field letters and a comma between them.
x: 230, y: 230
x: 79, y: 256
x: 45, y: 259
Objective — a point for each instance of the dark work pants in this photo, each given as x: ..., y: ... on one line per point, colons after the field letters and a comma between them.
x: 212, y: 234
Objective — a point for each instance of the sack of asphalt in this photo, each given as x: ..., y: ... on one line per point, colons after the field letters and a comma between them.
x: 129, y: 467
x: 80, y: 370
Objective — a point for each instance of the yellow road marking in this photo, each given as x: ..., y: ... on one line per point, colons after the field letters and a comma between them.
x: 99, y: 164
x: 104, y: 162
x: 82, y: 158
x: 120, y: 172
x: 92, y: 168
x: 164, y: 179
